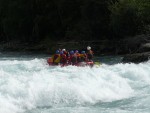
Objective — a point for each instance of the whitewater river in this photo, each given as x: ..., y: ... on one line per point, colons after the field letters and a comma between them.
x: 29, y: 85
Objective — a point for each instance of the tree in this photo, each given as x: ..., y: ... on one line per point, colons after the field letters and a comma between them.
x: 128, y: 17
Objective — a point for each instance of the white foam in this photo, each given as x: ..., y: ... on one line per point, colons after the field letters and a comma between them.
x: 25, y: 85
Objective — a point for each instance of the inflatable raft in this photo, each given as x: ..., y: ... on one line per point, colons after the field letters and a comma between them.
x: 80, y: 64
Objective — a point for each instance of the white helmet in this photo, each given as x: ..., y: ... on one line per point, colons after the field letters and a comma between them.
x: 63, y: 49
x: 88, y: 48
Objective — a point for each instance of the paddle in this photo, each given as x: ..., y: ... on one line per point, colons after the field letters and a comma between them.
x: 97, y: 63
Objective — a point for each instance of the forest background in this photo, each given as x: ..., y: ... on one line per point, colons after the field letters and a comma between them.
x: 109, y: 26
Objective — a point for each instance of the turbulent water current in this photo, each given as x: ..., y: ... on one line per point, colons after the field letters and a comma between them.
x: 29, y: 85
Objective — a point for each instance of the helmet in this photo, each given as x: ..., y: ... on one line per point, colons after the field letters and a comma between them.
x: 88, y: 48
x: 63, y: 49
x: 76, y: 51
x: 57, y: 52
x: 83, y: 52
x: 71, y: 52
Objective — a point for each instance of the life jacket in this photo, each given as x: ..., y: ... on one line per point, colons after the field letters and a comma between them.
x: 78, y: 57
x: 56, y: 58
x: 65, y: 52
x: 90, y: 52
x: 63, y: 58
x: 83, y: 57
x: 73, y: 59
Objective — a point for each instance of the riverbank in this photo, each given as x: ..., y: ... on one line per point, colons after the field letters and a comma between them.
x: 130, y: 47
x: 102, y: 47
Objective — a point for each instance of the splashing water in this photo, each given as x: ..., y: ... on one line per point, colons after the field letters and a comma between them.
x: 31, y: 86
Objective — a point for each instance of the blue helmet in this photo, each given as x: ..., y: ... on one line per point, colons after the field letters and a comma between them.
x: 76, y: 51
x: 83, y: 52
x: 71, y: 52
x: 57, y: 52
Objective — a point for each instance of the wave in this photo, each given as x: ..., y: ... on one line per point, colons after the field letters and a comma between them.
x: 29, y: 84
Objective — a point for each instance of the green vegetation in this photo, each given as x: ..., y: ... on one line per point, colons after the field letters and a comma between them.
x: 35, y: 21
x: 130, y: 17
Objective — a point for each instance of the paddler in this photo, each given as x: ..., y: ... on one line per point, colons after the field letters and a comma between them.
x: 73, y: 58
x: 63, y: 58
x: 83, y: 56
x: 78, y: 56
x: 56, y: 57
x: 89, y: 53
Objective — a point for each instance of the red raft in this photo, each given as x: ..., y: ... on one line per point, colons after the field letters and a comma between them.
x: 80, y: 64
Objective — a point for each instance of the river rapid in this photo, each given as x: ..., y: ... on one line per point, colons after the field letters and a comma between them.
x: 29, y: 85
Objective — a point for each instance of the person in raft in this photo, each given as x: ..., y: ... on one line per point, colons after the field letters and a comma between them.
x: 83, y: 56
x: 77, y: 54
x: 73, y: 58
x: 89, y: 53
x: 56, y: 57
x: 63, y: 58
